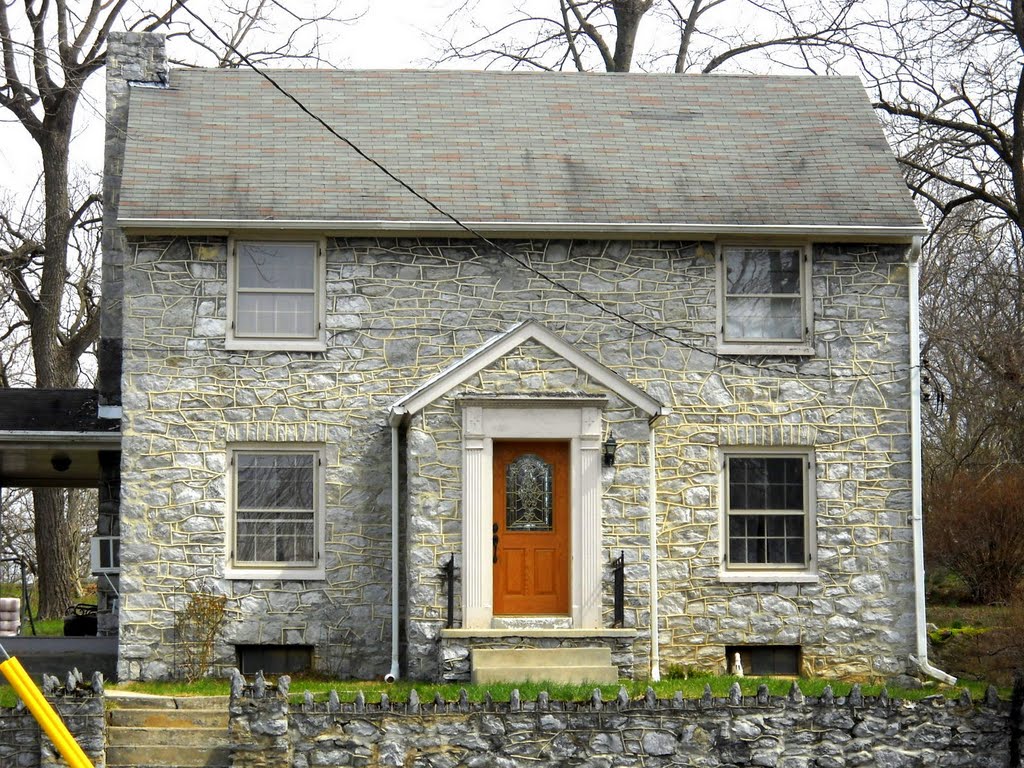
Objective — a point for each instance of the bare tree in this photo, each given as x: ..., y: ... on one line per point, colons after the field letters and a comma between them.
x: 953, y: 103
x: 972, y: 315
x: 668, y: 35
x: 48, y: 51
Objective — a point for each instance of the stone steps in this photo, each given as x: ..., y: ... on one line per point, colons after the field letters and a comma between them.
x: 163, y: 732
x: 555, y: 665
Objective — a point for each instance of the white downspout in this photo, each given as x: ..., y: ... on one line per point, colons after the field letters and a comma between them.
x: 652, y: 502
x: 392, y: 675
x: 917, y: 518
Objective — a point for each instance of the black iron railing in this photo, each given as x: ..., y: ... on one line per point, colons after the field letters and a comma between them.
x: 448, y: 578
x: 619, y: 585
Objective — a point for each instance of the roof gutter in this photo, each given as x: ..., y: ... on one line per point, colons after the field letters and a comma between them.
x: 55, y: 436
x: 916, y: 516
x: 876, y: 234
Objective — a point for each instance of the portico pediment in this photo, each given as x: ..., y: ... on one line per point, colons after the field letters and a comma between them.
x: 501, y: 345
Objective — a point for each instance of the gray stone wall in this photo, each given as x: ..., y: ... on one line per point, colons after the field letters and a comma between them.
x: 400, y: 311
x: 763, y: 730
x: 19, y: 739
x: 78, y: 704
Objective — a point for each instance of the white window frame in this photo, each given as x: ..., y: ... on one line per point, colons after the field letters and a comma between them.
x: 270, y: 570
x: 806, y: 572
x: 757, y: 346
x: 316, y: 342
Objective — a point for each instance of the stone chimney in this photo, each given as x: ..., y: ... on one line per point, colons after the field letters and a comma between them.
x: 132, y: 58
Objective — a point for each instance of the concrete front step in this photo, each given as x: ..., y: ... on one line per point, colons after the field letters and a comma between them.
x: 168, y: 757
x: 556, y: 665
x: 168, y: 718
x: 155, y: 736
x: 162, y: 732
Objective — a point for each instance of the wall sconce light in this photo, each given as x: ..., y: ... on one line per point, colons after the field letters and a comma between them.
x: 60, y: 462
x: 608, y: 450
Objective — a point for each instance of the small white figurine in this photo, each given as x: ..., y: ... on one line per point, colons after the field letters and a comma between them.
x: 737, y: 665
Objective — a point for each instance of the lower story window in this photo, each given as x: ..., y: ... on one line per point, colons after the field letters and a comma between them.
x: 277, y: 502
x: 767, y: 507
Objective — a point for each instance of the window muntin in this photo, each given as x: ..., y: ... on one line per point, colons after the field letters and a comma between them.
x: 764, y: 295
x: 276, y: 508
x: 767, y: 511
x: 276, y: 290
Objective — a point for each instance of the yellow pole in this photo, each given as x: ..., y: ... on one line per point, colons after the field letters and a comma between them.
x: 44, y: 714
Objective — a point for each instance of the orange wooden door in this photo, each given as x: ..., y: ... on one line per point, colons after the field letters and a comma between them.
x: 531, y: 528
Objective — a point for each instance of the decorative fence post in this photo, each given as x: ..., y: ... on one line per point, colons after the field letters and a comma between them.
x: 258, y: 723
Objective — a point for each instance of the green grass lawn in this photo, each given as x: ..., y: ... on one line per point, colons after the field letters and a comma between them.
x: 691, y: 688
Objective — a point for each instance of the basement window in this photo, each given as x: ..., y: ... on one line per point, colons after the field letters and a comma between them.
x: 274, y: 659
x: 764, y: 660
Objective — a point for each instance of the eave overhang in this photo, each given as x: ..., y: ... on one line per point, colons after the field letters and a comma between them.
x: 539, y: 229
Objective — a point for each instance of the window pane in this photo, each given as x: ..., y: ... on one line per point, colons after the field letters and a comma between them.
x: 763, y: 318
x: 277, y: 265
x: 762, y: 270
x: 737, y: 551
x: 272, y: 314
x: 275, y: 481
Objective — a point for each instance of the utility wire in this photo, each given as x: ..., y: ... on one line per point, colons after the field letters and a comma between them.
x: 724, y: 359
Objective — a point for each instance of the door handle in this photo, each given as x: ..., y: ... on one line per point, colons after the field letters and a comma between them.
x: 494, y: 544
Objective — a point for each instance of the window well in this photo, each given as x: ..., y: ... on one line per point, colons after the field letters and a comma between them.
x: 274, y: 659
x: 764, y: 660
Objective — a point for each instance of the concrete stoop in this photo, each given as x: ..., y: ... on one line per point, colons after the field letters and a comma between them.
x: 555, y: 665
x: 165, y: 732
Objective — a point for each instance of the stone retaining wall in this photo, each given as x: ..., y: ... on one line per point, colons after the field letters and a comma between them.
x: 80, y: 706
x: 788, y: 732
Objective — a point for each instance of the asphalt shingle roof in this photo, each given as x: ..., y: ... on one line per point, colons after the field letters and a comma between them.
x: 513, y: 147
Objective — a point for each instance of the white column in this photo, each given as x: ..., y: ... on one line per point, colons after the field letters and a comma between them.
x: 587, y: 517
x: 477, y: 574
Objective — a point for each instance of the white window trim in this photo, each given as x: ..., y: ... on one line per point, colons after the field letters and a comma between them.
x: 283, y: 572
x: 790, y: 574
x: 316, y: 343
x: 578, y: 423
x: 756, y: 346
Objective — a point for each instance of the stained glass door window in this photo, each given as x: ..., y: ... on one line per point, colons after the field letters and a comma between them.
x: 528, y: 500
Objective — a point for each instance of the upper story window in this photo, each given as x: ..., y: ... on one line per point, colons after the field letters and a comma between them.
x: 277, y: 512
x: 768, y: 518
x: 276, y: 295
x: 765, y: 304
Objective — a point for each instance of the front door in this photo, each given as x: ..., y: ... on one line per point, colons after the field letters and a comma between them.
x: 531, y: 528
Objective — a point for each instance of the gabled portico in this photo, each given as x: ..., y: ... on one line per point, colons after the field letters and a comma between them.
x: 531, y: 524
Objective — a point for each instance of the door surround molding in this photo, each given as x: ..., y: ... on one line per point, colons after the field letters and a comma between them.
x: 577, y: 420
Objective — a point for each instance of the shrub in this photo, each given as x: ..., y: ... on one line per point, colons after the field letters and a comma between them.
x: 974, y: 526
x: 197, y: 625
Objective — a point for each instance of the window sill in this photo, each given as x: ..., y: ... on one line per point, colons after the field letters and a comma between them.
x: 768, y: 577
x: 275, y: 574
x: 275, y: 345
x: 786, y: 350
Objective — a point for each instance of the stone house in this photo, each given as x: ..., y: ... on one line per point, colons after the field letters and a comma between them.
x: 642, y: 382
